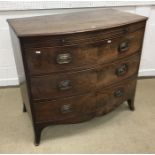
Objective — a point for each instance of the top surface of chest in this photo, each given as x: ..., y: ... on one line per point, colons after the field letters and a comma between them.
x: 96, y: 19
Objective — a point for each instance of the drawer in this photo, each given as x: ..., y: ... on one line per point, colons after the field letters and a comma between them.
x: 120, y: 47
x: 48, y: 60
x: 63, y: 84
x: 74, y: 83
x: 110, y: 98
x: 118, y: 71
x: 69, y: 110
x: 78, y: 38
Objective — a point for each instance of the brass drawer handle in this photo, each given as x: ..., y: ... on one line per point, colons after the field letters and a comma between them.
x: 124, y: 46
x: 65, y: 85
x: 122, y: 70
x: 67, y: 108
x: 64, y: 58
x: 119, y: 93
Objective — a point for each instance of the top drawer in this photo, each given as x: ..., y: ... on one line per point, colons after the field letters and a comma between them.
x: 47, y: 60
x: 78, y: 38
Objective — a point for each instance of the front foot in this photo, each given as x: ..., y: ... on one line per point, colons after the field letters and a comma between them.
x: 37, y: 138
x: 37, y: 142
x: 37, y: 133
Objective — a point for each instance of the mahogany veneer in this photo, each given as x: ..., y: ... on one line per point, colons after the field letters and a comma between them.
x: 76, y: 66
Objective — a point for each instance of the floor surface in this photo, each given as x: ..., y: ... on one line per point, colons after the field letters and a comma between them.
x: 120, y: 131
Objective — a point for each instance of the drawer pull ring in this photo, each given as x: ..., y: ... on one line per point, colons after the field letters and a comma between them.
x: 65, y: 85
x: 66, y: 108
x: 122, y: 70
x: 64, y: 58
x: 124, y: 46
x: 119, y: 93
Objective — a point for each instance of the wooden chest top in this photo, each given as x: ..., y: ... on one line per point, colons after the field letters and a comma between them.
x: 68, y: 23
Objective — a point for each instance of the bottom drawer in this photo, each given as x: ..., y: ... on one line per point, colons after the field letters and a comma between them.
x: 115, y: 95
x: 80, y: 108
x: 70, y: 109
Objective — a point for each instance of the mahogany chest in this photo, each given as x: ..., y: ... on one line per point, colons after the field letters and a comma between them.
x: 76, y: 66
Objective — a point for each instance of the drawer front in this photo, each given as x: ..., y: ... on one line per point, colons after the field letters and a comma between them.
x: 121, y: 47
x: 118, y: 71
x: 78, y: 38
x: 62, y: 85
x: 115, y: 95
x: 48, y: 60
x: 82, y: 56
x: 71, y: 109
x: 74, y: 83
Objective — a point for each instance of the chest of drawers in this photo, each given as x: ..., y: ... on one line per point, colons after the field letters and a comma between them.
x: 76, y: 66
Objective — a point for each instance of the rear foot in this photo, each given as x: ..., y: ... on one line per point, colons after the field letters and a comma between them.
x: 131, y: 105
x: 24, y: 108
